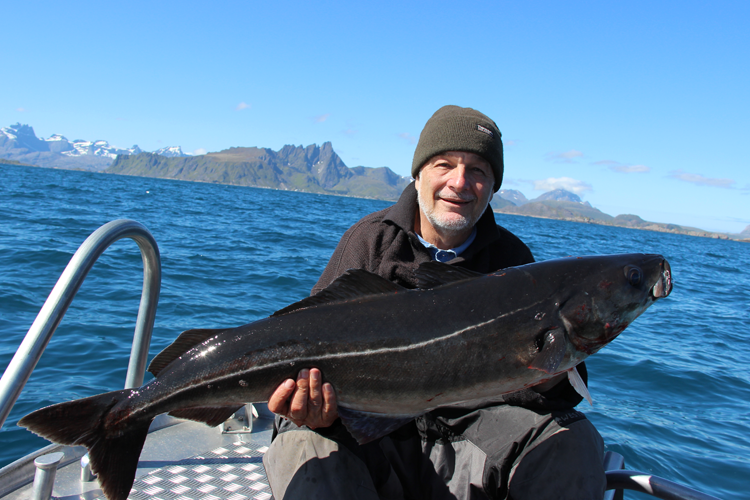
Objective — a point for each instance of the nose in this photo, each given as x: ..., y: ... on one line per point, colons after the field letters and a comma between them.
x: 457, y: 179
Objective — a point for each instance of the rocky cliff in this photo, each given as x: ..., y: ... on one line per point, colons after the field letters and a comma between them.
x: 316, y: 169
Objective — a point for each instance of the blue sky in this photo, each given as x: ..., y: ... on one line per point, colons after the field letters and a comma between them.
x: 638, y: 107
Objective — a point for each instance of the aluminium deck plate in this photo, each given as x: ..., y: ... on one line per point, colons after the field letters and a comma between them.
x: 230, y: 472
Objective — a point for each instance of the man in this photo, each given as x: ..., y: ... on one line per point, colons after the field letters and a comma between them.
x: 530, y: 444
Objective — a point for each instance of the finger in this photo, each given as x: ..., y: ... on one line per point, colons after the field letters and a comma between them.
x: 279, y: 400
x: 330, y: 410
x: 298, y: 405
x: 316, y: 393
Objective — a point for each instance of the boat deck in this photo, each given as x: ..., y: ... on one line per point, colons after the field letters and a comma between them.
x: 182, y: 460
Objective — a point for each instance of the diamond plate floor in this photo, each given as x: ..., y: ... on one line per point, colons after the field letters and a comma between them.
x: 232, y: 472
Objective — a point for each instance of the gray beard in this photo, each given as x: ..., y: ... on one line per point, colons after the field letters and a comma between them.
x: 444, y: 224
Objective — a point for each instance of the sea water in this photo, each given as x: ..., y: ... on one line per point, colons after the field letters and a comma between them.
x: 671, y: 394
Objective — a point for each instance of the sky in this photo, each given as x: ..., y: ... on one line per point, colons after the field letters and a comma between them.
x: 639, y: 107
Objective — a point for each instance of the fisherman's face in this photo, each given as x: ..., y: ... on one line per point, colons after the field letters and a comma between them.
x: 453, y: 190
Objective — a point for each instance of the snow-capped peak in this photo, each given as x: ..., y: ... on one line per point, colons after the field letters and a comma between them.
x: 23, y: 137
x: 98, y: 148
x: 9, y: 133
x: 172, y: 151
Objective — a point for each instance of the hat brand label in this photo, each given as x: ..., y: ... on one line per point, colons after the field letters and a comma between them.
x: 485, y: 130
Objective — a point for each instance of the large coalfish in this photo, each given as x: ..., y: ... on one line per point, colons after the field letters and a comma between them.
x: 390, y: 353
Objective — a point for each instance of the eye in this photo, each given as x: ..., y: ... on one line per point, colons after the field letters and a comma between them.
x: 634, y: 275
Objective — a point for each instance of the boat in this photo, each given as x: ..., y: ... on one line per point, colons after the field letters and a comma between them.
x: 181, y: 459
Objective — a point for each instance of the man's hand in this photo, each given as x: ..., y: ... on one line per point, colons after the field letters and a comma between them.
x: 306, y: 402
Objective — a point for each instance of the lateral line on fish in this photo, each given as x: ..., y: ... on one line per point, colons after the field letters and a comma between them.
x: 352, y: 354
x: 423, y: 343
x: 361, y: 353
x: 372, y: 351
x: 391, y: 349
x: 273, y: 364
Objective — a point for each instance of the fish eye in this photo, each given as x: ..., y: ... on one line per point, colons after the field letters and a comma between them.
x: 634, y: 275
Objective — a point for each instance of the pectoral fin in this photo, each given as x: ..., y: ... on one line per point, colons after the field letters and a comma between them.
x: 577, y: 382
x: 551, y: 352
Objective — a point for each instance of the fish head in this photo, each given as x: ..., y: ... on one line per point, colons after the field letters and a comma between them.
x: 613, y: 291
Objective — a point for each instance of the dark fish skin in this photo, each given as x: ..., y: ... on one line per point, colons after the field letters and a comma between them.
x: 390, y: 353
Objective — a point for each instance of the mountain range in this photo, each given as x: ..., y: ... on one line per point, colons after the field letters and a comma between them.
x: 564, y: 205
x: 316, y: 169
x: 20, y: 143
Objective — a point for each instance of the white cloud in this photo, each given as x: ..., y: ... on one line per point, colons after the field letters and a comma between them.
x: 630, y: 169
x: 616, y: 166
x: 700, y: 180
x: 408, y: 137
x: 321, y: 118
x: 566, y: 183
x: 607, y: 163
x: 199, y: 152
x: 241, y: 106
x: 350, y: 130
x: 21, y: 110
x: 566, y: 157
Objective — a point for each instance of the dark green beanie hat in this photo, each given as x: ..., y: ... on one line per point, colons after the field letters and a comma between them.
x: 453, y: 128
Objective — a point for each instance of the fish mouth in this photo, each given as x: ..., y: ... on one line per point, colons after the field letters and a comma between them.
x: 663, y: 285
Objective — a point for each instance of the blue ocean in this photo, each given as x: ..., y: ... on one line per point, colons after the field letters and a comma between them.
x: 671, y: 394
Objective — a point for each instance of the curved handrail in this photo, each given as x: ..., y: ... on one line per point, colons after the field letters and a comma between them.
x: 653, y: 485
x: 30, y: 351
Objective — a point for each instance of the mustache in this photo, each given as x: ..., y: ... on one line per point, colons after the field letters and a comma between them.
x: 453, y: 196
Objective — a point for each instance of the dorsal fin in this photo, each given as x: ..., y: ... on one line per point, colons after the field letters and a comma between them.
x: 434, y: 274
x: 182, y: 344
x: 353, y: 284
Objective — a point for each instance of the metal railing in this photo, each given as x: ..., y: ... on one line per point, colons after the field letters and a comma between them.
x: 619, y: 480
x: 652, y: 485
x: 30, y: 351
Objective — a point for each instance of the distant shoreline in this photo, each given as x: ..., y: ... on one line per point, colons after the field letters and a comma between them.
x: 654, y: 227
x: 3, y: 161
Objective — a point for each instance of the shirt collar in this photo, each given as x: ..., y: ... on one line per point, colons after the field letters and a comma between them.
x: 441, y: 255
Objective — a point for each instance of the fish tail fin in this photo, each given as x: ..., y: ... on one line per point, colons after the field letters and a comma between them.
x: 113, y: 453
